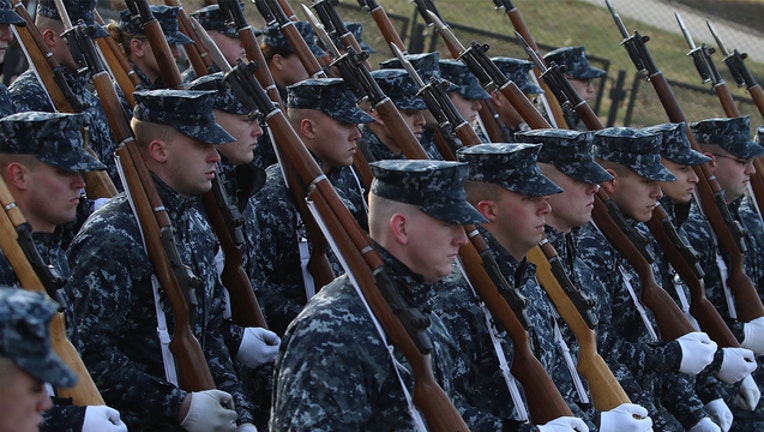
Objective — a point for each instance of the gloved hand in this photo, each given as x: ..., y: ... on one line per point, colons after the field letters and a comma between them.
x: 753, y: 336
x: 720, y: 414
x: 625, y: 418
x: 246, y: 427
x: 748, y: 394
x: 737, y: 364
x: 705, y: 425
x: 210, y: 411
x: 564, y: 424
x: 258, y: 346
x: 100, y: 418
x: 697, y: 352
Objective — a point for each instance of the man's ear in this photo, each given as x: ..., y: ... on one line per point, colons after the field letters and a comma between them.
x: 399, y: 228
x: 307, y: 128
x: 277, y: 61
x: 609, y: 186
x: 137, y: 47
x: 50, y: 37
x: 488, y: 209
x: 17, y: 175
x: 157, y: 150
x: 713, y: 163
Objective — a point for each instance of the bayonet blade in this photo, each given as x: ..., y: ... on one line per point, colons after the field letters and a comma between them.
x: 217, y: 56
x: 685, y: 31
x: 617, y: 19
x: 407, y: 65
x: 321, y: 32
x: 446, y: 31
x: 61, y: 8
x: 532, y: 54
x: 719, y: 41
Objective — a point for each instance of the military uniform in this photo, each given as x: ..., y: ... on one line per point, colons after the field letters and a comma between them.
x: 334, y: 368
x: 167, y: 16
x: 10, y: 17
x: 29, y: 95
x: 623, y: 334
x: 53, y: 139
x: 280, y: 286
x: 576, y: 66
x: 116, y: 304
x: 464, y: 82
x: 518, y: 71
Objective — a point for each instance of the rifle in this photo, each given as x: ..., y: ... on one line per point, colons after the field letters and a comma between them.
x: 406, y: 326
x: 701, y: 56
x: 575, y: 308
x: 710, y: 195
x: 378, y: 14
x: 235, y: 14
x: 177, y: 280
x: 34, y: 275
x: 140, y: 10
x: 518, y: 22
x: 119, y: 65
x: 327, y: 13
x: 196, y: 52
x: 495, y: 126
x: 52, y: 77
x: 271, y: 9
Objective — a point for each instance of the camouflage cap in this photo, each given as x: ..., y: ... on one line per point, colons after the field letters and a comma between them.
x: 569, y: 151
x: 188, y: 111
x: 274, y: 37
x: 427, y: 65
x: 674, y: 144
x: 511, y: 166
x: 53, y: 138
x: 77, y: 10
x: 225, y: 99
x: 25, y: 336
x: 212, y: 18
x: 575, y: 62
x: 518, y: 72
x: 633, y: 148
x: 329, y: 95
x: 168, y: 20
x: 462, y: 80
x: 356, y: 28
x: 9, y: 16
x: 400, y: 88
x: 759, y: 135
x: 435, y: 187
x: 732, y: 134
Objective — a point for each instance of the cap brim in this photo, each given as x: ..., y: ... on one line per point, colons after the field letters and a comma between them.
x: 591, y: 73
x: 409, y: 104
x: 752, y: 150
x: 458, y: 212
x: 210, y: 133
x: 474, y: 92
x: 50, y: 369
x: 535, y: 186
x: 655, y: 173
x: 100, y: 32
x: 317, y: 52
x: 178, y: 39
x: 531, y: 88
x: 354, y: 115
x: 80, y: 162
x: 690, y: 158
x: 11, y: 17
x: 589, y: 172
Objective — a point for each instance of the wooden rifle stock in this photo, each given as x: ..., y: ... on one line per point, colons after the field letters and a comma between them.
x: 700, y: 307
x: 118, y: 63
x: 85, y: 391
x: 670, y: 319
x: 196, y: 52
x: 97, y: 183
x: 380, y: 17
x: 605, y: 390
x: 366, y: 268
x: 158, y: 43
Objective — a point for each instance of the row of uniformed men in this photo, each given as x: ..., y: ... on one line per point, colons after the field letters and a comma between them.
x: 321, y: 390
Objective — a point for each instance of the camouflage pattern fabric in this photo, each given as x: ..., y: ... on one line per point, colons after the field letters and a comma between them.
x: 77, y: 10
x: 462, y: 80
x: 212, y: 18
x: 329, y: 95
x: 274, y: 37
x: 278, y: 282
x: 28, y: 95
x: 732, y: 134
x: 518, y: 71
x: 115, y: 306
x: 9, y: 16
x: 622, y: 336
x: 575, y: 62
x: 675, y: 145
x: 633, y: 148
x: 400, y: 88
x: 6, y: 103
x: 168, y: 20
x: 335, y: 372
x: 427, y: 65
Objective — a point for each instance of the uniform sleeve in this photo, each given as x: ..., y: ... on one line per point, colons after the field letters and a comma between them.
x: 62, y: 418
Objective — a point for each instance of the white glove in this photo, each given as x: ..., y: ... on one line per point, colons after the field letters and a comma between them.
x: 100, y: 418
x: 564, y: 424
x: 246, y: 427
x: 737, y: 364
x: 625, y: 418
x: 697, y: 352
x: 210, y: 411
x: 748, y: 395
x: 753, y: 336
x: 705, y: 425
x: 258, y: 346
x: 720, y: 413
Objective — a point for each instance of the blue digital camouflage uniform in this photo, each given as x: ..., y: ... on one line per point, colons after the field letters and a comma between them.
x: 211, y: 18
x: 167, y: 16
x: 576, y: 66
x: 518, y: 71
x: 571, y: 153
x: 465, y: 84
x: 116, y: 304
x: 29, y: 95
x: 622, y: 334
x: 6, y: 104
x: 279, y: 285
x: 334, y: 371
x: 8, y: 16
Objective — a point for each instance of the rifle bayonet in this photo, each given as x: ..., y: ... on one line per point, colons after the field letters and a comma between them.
x: 444, y: 30
x: 719, y: 41
x: 217, y: 56
x: 618, y: 21
x: 701, y: 56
